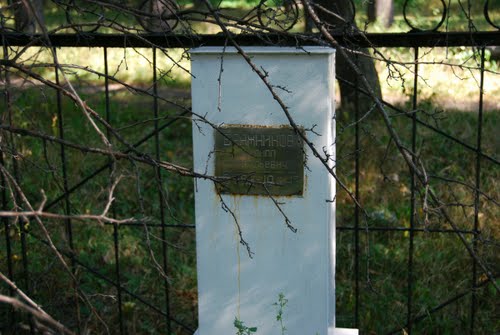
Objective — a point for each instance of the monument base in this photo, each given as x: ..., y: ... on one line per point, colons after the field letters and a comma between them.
x: 342, y: 331
x: 331, y: 331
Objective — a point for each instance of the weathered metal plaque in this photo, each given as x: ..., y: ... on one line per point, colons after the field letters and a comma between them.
x: 257, y: 160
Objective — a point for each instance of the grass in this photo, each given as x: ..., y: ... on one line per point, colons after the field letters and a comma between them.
x: 442, y: 267
x: 383, y: 257
x: 94, y: 242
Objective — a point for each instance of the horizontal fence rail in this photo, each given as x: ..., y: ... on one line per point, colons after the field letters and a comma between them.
x: 391, y: 40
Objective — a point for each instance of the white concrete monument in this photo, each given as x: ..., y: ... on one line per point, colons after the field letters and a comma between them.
x: 241, y: 133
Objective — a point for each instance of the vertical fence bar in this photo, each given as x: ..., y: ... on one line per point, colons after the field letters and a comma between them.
x: 477, y: 195
x: 116, y: 236
x: 356, y: 208
x: 5, y: 201
x: 22, y: 226
x: 412, y: 198
x: 6, y: 224
x: 67, y: 206
x: 160, y: 194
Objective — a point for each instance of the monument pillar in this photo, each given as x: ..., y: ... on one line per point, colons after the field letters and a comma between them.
x: 268, y: 228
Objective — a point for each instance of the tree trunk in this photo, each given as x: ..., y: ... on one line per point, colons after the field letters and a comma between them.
x: 371, y: 11
x: 343, y: 69
x: 28, y: 16
x: 161, y: 9
x: 385, y: 12
x: 382, y: 10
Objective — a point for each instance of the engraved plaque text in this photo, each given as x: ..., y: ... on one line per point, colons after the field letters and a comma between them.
x: 259, y: 160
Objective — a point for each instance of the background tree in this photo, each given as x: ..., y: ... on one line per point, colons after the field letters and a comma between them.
x: 29, y: 16
x: 160, y: 10
x: 339, y: 16
x: 381, y: 10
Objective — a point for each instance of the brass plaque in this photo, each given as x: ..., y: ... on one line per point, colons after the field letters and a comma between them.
x: 259, y: 160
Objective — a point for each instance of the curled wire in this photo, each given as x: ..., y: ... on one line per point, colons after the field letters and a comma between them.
x: 487, y: 15
x: 415, y: 29
x: 82, y: 16
x: 281, y: 13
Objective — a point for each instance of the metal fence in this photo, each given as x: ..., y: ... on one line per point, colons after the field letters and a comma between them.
x: 42, y: 152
